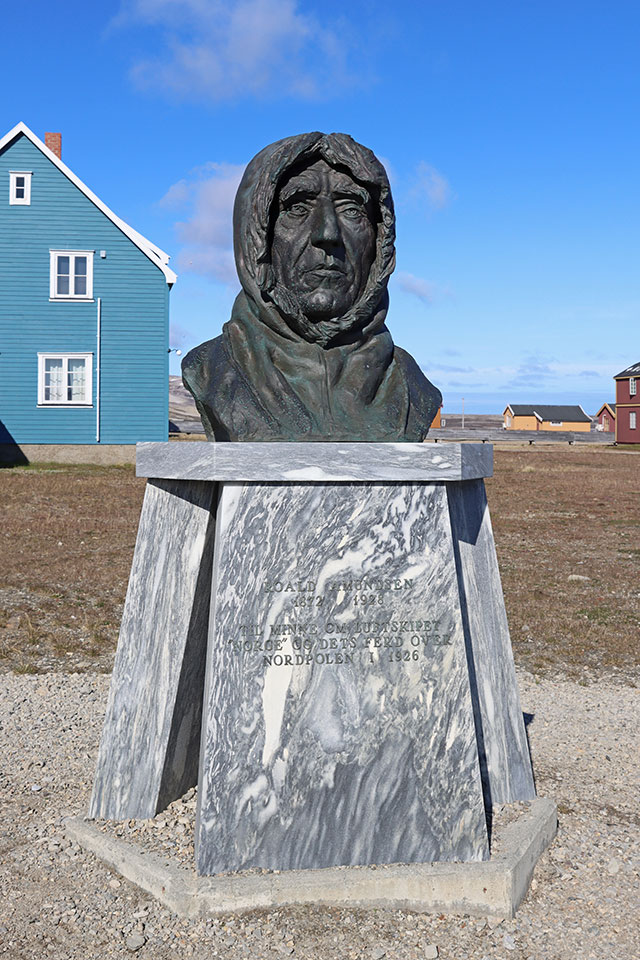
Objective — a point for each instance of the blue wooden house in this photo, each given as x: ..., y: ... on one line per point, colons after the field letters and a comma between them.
x: 84, y: 309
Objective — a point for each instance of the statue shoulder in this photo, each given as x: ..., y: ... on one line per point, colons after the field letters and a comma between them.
x: 200, y: 366
x: 424, y: 398
x: 416, y: 377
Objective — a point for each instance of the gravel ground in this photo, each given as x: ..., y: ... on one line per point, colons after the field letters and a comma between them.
x: 58, y: 902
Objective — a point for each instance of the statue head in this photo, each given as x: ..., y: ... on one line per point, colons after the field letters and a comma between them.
x: 314, y: 236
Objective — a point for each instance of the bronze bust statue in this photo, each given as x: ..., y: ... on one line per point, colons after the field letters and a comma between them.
x: 306, y: 354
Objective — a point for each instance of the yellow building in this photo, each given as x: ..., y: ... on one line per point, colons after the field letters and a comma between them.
x: 546, y: 416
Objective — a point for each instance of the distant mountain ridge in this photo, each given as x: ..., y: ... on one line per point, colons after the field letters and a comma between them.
x: 181, y: 404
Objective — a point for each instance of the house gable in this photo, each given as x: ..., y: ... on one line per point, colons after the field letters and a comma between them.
x: 153, y: 252
x: 610, y: 408
x: 124, y: 321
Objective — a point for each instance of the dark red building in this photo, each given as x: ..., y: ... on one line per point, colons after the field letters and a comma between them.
x: 606, y: 417
x: 628, y: 405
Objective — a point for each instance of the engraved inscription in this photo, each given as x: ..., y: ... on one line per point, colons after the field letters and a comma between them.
x: 341, y: 623
x: 293, y: 643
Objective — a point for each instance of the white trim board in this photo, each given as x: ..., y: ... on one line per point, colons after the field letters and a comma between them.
x: 154, y: 253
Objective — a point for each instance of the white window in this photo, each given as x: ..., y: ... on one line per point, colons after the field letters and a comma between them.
x: 20, y: 187
x: 71, y: 275
x: 556, y: 423
x: 632, y: 386
x: 632, y: 420
x: 64, y: 379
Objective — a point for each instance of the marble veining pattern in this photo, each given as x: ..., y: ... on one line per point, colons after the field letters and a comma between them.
x: 338, y: 718
x: 150, y: 741
x: 502, y: 740
x: 315, y: 462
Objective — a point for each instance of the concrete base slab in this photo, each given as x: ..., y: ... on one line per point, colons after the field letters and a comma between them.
x: 494, y: 887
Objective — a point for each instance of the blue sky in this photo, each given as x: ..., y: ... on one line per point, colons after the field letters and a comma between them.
x: 510, y: 131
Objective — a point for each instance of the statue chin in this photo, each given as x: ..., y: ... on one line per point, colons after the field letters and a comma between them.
x: 322, y: 305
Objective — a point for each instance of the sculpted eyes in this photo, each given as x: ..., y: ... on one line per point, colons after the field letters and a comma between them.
x: 298, y: 210
x: 301, y: 208
x: 352, y: 211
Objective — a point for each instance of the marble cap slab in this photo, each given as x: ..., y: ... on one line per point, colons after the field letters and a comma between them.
x: 314, y: 462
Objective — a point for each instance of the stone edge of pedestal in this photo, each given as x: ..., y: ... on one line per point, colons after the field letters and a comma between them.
x: 494, y: 887
x: 314, y: 462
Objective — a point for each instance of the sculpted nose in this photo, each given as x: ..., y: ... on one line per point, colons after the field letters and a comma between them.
x: 325, y: 230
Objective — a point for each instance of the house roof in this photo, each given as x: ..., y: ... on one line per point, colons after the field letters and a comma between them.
x: 572, y: 413
x: 632, y: 371
x: 609, y: 406
x: 154, y: 253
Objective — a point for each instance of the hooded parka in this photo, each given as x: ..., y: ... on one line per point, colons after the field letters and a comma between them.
x: 274, y: 374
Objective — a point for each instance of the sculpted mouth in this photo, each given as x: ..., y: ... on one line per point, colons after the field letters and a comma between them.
x: 323, y: 270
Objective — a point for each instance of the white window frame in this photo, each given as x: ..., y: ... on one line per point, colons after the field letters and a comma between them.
x: 556, y: 423
x: 632, y: 420
x: 14, y: 200
x: 65, y: 357
x: 53, y: 274
x: 633, y: 387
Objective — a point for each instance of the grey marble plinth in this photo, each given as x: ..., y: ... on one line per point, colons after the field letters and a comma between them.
x: 360, y: 703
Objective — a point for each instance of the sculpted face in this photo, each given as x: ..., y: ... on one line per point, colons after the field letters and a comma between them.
x: 324, y: 240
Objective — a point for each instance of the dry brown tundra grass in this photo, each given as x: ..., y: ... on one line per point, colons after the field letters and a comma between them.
x: 68, y: 534
x: 561, y: 513
x: 67, y: 537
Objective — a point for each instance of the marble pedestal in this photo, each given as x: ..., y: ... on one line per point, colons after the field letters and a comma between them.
x: 359, y: 701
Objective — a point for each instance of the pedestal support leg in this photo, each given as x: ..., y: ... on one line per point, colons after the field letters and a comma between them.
x: 150, y: 742
x: 502, y: 741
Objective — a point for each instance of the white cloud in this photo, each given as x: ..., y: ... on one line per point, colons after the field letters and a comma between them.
x: 420, y: 288
x: 448, y: 368
x: 533, y: 371
x: 431, y: 186
x: 388, y: 166
x: 528, y: 379
x: 225, y: 49
x: 176, y: 196
x: 206, y: 235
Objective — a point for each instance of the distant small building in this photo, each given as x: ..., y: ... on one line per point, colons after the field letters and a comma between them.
x: 544, y: 416
x: 606, y: 418
x: 628, y: 405
x: 437, y: 420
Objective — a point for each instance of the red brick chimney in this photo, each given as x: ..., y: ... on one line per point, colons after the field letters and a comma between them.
x: 54, y: 142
